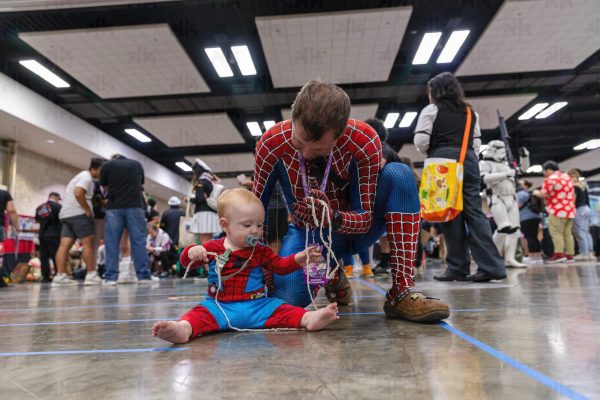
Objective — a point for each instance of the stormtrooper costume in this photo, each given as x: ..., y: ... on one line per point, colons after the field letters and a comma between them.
x: 499, y: 178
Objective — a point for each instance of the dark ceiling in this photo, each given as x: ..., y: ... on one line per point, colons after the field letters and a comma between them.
x: 204, y: 23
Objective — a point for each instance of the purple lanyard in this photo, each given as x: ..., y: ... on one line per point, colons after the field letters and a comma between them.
x: 302, y: 163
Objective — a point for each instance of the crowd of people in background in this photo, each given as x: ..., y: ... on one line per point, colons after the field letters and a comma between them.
x: 118, y: 235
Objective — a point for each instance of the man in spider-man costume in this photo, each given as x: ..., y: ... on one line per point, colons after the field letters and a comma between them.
x: 323, y: 154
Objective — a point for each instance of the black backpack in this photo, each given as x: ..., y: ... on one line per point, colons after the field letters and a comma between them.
x: 535, y: 204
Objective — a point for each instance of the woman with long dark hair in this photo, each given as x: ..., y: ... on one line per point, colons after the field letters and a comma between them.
x: 439, y: 134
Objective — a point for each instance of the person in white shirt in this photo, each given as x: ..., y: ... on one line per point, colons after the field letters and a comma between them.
x: 158, y: 245
x: 77, y: 220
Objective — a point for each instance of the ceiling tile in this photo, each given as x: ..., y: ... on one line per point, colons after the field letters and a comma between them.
x: 536, y: 35
x: 192, y: 130
x: 238, y: 162
x: 339, y: 47
x: 131, y: 61
x: 508, y: 105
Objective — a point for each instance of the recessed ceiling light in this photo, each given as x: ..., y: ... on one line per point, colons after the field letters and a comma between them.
x: 407, y: 119
x: 534, y: 169
x: 44, y: 73
x: 244, y: 60
x: 532, y: 111
x: 183, y: 166
x: 50, y: 141
x: 457, y: 38
x: 426, y: 47
x: 219, y: 62
x: 589, y: 145
x: 390, y: 120
x: 551, y: 110
x: 254, y: 128
x: 138, y: 135
x: 268, y: 124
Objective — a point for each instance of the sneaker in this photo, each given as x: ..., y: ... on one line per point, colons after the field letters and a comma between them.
x: 349, y: 271
x: 570, y: 259
x: 557, y: 258
x: 109, y: 283
x: 152, y: 279
x: 581, y: 257
x: 92, y: 278
x: 63, y: 280
x: 367, y: 271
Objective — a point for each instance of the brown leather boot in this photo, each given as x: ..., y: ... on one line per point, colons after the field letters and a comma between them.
x: 411, y: 304
x: 338, y: 289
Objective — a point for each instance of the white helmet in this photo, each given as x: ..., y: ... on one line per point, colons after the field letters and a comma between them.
x: 174, y: 201
x: 496, y: 151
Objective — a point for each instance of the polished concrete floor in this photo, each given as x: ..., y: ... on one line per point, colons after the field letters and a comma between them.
x: 535, y: 335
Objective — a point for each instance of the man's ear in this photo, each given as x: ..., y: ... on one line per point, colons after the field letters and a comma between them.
x: 223, y: 223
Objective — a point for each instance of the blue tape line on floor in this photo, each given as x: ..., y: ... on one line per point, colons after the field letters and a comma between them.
x: 110, y: 321
x: 538, y: 376
x: 101, y: 306
x: 100, y: 351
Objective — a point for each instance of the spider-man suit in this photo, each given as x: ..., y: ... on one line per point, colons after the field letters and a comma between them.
x: 365, y: 203
x: 242, y: 296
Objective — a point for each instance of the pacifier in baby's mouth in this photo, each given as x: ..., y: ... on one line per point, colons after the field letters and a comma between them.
x: 252, y: 240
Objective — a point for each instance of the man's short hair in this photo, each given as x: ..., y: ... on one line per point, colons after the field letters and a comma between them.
x: 320, y: 107
x: 96, y: 162
x: 54, y: 194
x: 553, y: 165
x: 151, y: 202
x: 230, y: 197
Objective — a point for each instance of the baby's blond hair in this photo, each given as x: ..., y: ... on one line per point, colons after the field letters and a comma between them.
x: 230, y: 197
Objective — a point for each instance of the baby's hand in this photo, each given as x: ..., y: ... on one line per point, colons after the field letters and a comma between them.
x: 198, y: 253
x: 314, y: 254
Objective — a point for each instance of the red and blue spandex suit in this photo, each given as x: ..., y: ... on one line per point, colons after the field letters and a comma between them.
x: 242, y: 296
x: 370, y: 201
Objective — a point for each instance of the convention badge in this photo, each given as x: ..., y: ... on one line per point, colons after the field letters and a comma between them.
x: 317, y: 272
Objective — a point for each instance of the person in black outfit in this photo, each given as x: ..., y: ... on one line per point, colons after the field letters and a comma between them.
x: 46, y: 214
x: 439, y: 133
x: 169, y: 221
x: 152, y: 215
x: 124, y: 179
x: 7, y: 205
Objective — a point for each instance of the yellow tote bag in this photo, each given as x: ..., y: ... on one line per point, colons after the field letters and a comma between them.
x: 442, y: 182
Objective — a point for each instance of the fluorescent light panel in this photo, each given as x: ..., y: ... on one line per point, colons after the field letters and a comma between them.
x: 44, y: 73
x: 426, y: 47
x: 551, y: 110
x: 268, y: 124
x: 244, y: 60
x: 457, y: 38
x: 183, y: 166
x: 390, y: 120
x: 532, y: 111
x: 219, y: 62
x: 138, y: 135
x: 254, y: 128
x: 408, y: 119
x: 589, y: 145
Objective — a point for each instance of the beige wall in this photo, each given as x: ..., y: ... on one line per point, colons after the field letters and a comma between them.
x: 38, y: 175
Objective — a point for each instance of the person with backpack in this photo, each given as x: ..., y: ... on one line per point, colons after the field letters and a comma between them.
x: 47, y: 215
x: 530, y: 208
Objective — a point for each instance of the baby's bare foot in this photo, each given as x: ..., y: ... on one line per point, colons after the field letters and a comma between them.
x: 172, y: 331
x: 316, y: 320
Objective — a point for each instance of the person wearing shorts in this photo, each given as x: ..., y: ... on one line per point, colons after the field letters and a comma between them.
x: 77, y: 220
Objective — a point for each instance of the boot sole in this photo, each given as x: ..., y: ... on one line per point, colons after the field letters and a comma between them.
x: 432, y: 316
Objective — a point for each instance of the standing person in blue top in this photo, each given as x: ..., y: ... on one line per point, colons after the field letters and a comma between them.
x: 439, y: 133
x: 123, y: 179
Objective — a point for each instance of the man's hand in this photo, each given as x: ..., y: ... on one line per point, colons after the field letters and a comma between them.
x: 314, y: 254
x: 198, y: 253
x: 303, y: 208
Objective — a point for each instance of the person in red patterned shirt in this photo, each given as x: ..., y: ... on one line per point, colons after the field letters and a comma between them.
x: 236, y: 295
x: 323, y: 157
x: 560, y: 203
